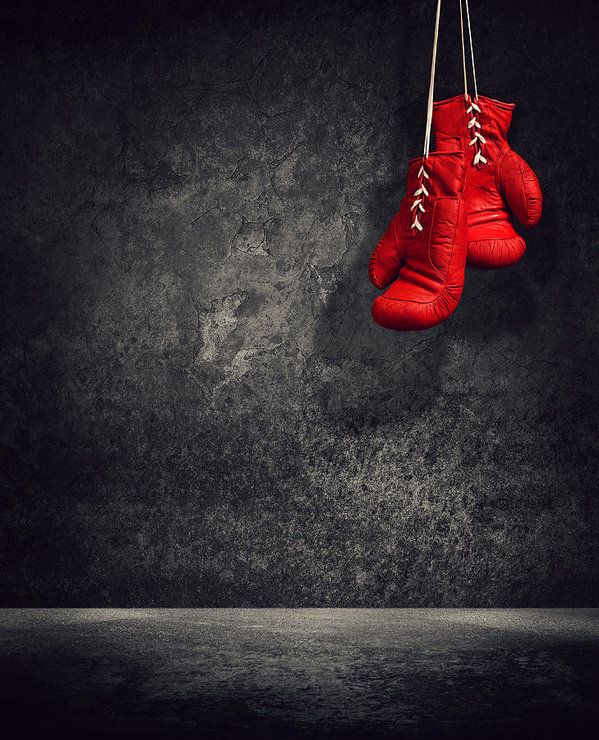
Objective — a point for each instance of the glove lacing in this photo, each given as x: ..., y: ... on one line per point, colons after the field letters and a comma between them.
x: 474, y: 126
x: 422, y: 192
x: 478, y: 140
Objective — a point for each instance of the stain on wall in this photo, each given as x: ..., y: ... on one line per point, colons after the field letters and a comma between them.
x: 196, y: 408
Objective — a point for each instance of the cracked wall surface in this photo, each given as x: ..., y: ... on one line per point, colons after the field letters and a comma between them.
x: 196, y: 408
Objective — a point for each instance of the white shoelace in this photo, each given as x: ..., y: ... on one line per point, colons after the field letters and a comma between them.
x: 478, y: 139
x: 421, y: 192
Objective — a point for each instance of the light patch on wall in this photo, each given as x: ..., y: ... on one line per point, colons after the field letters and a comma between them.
x: 218, y: 324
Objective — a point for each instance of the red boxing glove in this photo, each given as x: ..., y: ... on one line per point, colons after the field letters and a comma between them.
x: 426, y: 244
x: 498, y: 180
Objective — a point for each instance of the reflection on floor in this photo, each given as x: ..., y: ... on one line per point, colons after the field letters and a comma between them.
x: 330, y: 673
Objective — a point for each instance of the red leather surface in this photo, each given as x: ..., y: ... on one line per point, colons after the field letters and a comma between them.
x: 495, y: 190
x: 430, y: 262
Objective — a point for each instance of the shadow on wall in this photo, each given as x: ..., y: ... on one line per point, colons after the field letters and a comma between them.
x: 369, y: 376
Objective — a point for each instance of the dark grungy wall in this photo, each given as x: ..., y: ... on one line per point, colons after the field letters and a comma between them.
x: 196, y: 406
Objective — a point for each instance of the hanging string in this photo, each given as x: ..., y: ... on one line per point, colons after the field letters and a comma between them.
x: 422, y: 192
x: 463, y: 52
x: 431, y: 86
x: 474, y: 125
x: 471, y: 46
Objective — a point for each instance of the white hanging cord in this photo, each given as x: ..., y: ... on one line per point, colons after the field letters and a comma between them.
x: 474, y: 126
x: 471, y: 46
x: 421, y: 193
x: 431, y: 86
x: 463, y: 52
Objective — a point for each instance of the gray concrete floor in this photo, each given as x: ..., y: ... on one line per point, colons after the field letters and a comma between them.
x: 299, y: 673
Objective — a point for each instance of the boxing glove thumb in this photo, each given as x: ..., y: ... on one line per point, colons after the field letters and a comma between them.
x: 386, y: 259
x: 520, y: 188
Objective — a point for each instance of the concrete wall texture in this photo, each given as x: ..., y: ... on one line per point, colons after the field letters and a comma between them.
x: 196, y: 408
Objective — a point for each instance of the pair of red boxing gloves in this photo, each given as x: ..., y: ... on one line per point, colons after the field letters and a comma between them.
x: 457, y: 212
